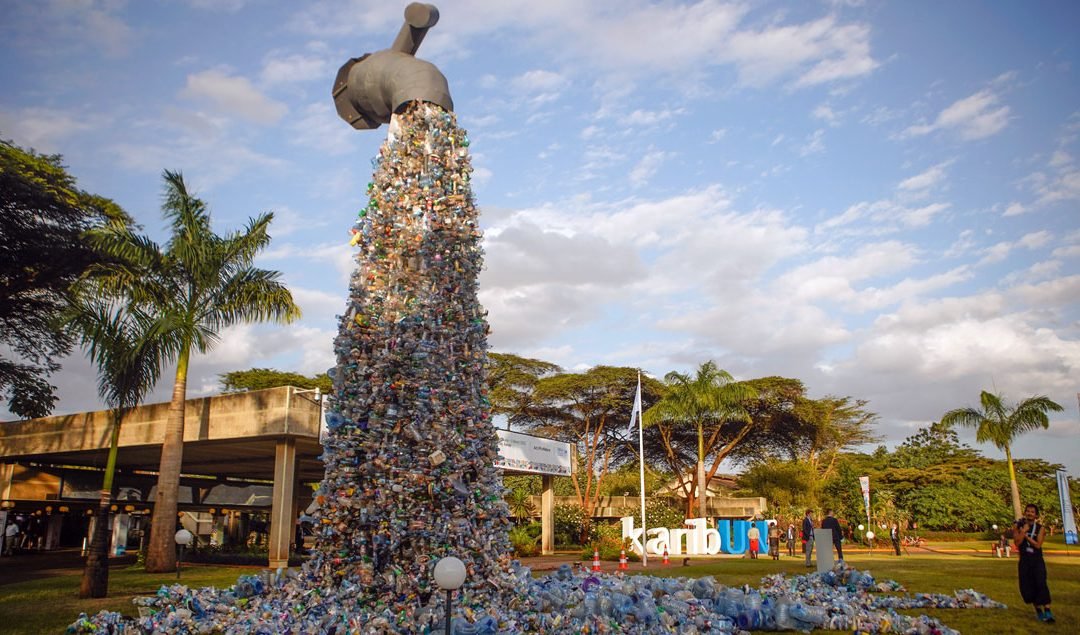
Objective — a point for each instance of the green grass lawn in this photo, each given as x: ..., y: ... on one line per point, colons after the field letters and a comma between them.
x: 936, y: 573
x: 48, y: 605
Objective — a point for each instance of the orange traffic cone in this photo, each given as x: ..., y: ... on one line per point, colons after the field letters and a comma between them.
x: 596, y: 560
x: 623, y: 566
x: 666, y: 561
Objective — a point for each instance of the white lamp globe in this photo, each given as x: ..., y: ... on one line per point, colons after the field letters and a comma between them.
x: 994, y: 527
x: 449, y: 573
x: 870, y: 535
x: 183, y: 537
x: 861, y: 527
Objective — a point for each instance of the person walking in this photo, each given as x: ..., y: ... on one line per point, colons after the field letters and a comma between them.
x: 11, y: 538
x: 808, y: 535
x: 894, y: 536
x: 1031, y: 570
x: 754, y: 536
x: 791, y: 539
x: 830, y: 522
x: 774, y: 541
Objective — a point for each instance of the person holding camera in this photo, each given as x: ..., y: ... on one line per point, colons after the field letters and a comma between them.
x: 1028, y: 539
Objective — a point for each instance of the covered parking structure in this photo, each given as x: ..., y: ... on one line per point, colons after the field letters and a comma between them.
x: 236, y: 448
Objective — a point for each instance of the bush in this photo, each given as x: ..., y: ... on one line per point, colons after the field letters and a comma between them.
x: 610, y: 548
x: 660, y: 512
x: 525, y: 545
x: 570, y: 523
x: 234, y: 554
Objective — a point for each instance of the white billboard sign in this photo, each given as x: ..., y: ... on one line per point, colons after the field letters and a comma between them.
x: 523, y: 453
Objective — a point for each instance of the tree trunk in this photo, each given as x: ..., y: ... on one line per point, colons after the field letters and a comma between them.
x: 701, y: 470
x: 95, y: 579
x: 161, y: 554
x: 701, y: 488
x: 1017, y: 510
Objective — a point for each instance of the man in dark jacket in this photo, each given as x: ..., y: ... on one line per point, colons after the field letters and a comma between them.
x: 808, y: 535
x: 830, y: 522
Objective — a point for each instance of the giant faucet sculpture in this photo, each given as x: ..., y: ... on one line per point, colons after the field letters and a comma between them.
x: 368, y: 90
x: 409, y: 449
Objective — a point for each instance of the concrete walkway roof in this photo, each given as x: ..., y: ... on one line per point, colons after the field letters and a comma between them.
x: 232, y: 436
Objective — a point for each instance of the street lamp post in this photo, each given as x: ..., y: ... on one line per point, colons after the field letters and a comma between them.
x: 449, y: 575
x: 183, y: 538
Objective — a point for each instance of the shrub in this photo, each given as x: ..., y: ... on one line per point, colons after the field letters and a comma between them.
x: 660, y: 512
x: 524, y: 544
x: 570, y: 524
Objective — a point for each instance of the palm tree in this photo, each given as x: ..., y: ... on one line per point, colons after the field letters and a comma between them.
x: 711, y: 395
x: 129, y: 356
x: 199, y: 284
x: 999, y: 424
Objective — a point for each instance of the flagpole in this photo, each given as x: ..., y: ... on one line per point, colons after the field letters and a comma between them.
x: 641, y: 464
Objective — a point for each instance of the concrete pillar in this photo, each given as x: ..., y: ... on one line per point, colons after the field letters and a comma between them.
x: 282, y: 515
x: 547, y: 515
x: 823, y: 540
x: 7, y: 475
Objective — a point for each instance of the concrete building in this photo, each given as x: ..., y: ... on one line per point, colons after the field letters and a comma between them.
x: 251, y: 462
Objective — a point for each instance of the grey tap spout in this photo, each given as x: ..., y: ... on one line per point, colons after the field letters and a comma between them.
x: 369, y: 89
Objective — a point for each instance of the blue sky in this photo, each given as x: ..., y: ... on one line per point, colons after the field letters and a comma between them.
x: 879, y: 198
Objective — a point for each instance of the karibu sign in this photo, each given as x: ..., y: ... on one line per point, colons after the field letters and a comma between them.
x: 695, y: 539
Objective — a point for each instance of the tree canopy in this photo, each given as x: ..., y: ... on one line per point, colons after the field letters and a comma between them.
x: 43, y: 217
x: 262, y: 378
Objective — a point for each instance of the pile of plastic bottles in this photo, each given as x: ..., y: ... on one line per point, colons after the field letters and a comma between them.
x: 567, y: 601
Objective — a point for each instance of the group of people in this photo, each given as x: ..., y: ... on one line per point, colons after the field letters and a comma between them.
x: 1027, y: 538
x: 22, y: 533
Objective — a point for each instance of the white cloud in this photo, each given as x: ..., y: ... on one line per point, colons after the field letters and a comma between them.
x: 1015, y: 209
x: 47, y: 129
x: 819, y: 51
x: 999, y: 251
x: 826, y: 114
x: 922, y: 216
x: 925, y: 180
x: 975, y: 117
x: 233, y: 95
x: 647, y: 166
x: 1061, y: 187
x: 832, y: 277
x: 294, y: 68
x: 540, y: 86
x: 320, y: 128
x: 815, y: 143
x: 648, y: 118
x: 1060, y: 159
x: 66, y: 28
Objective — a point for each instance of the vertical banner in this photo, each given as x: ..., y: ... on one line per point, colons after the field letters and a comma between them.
x: 864, y: 485
x: 1068, y: 520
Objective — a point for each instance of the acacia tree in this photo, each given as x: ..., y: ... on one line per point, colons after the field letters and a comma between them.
x: 129, y: 352
x: 262, y: 378
x: 511, y: 381
x: 710, y: 399
x: 1000, y: 424
x: 199, y: 284
x: 589, y: 410
x: 791, y: 426
x: 42, y: 253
